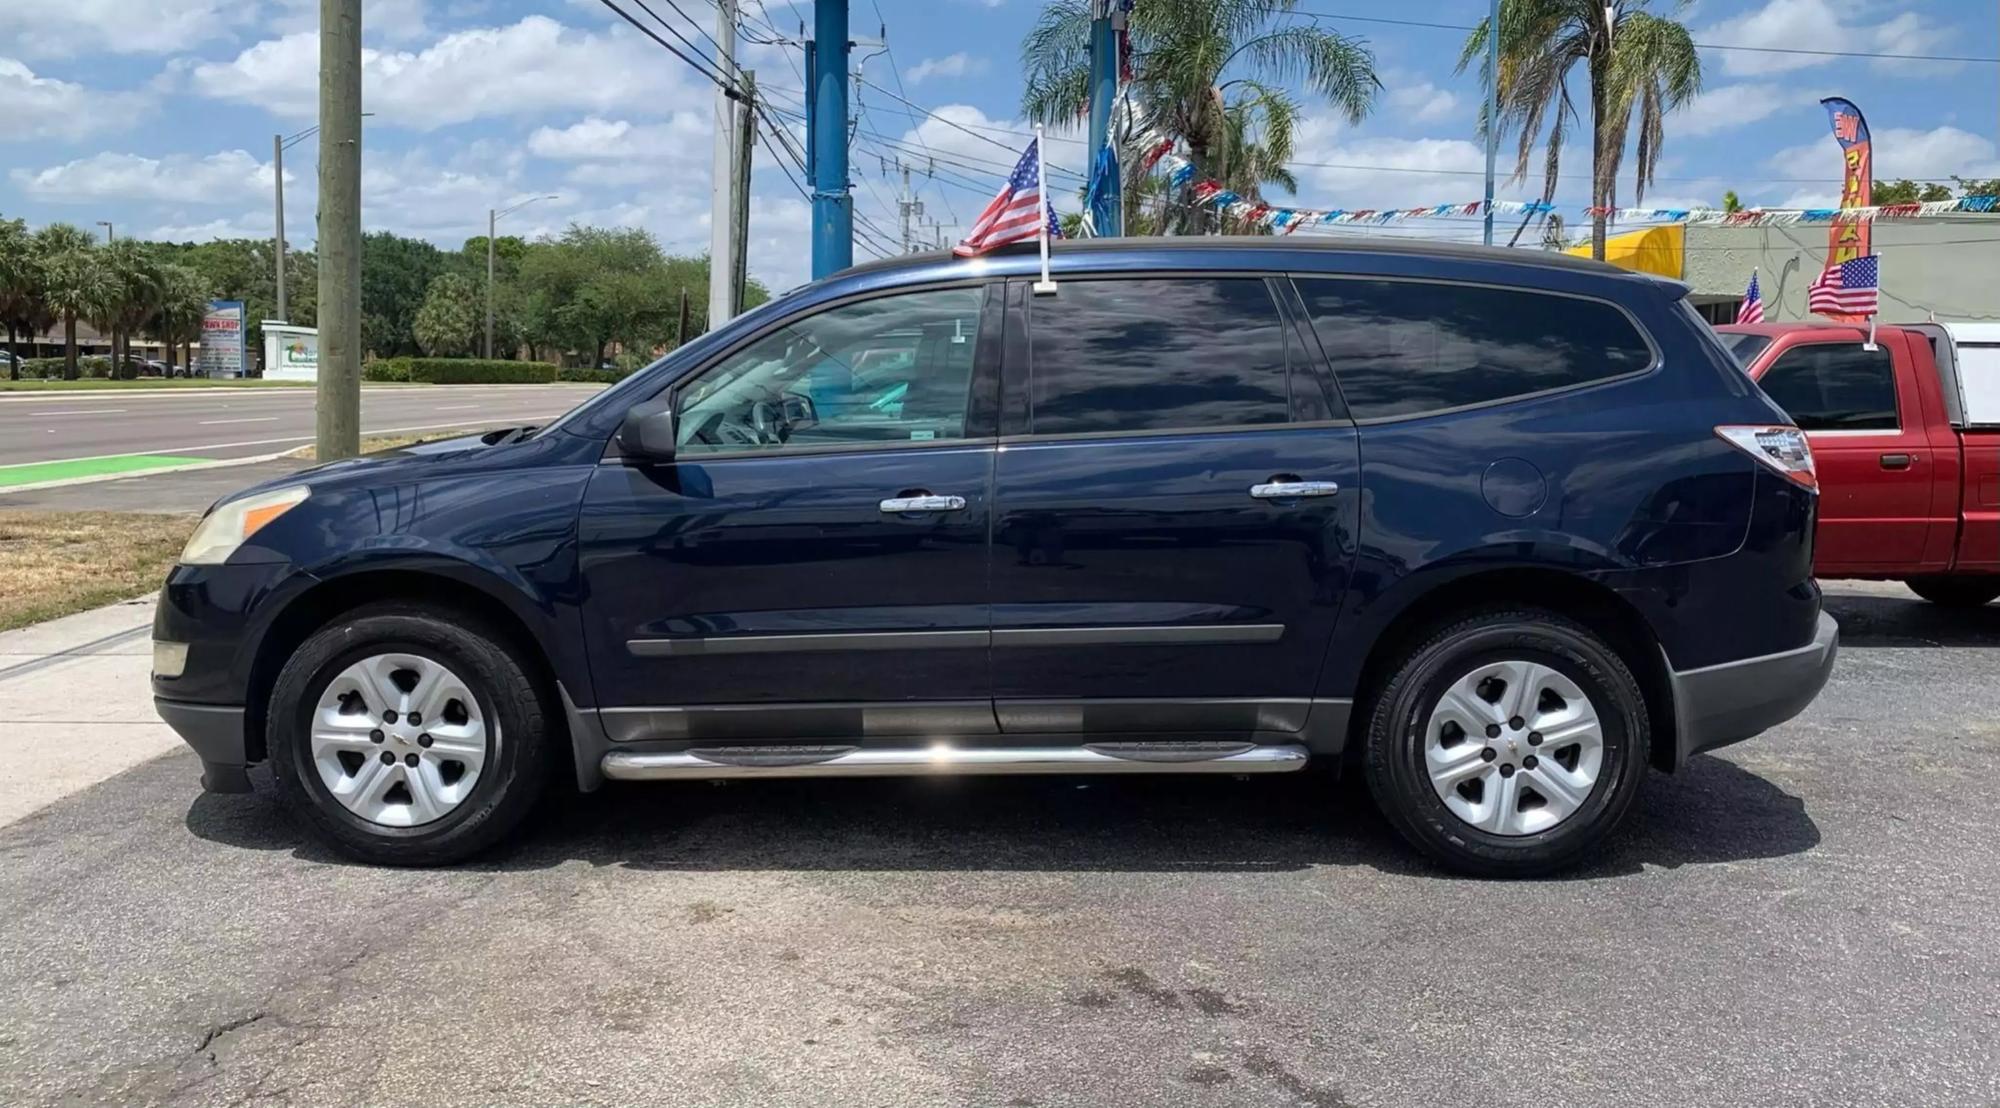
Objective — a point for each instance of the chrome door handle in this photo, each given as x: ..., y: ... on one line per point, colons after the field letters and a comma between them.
x: 1293, y: 490
x: 897, y: 505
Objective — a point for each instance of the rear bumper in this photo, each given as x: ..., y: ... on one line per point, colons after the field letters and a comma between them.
x: 1718, y: 705
x: 216, y: 732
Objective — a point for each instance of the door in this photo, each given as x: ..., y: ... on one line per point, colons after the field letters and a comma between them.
x: 812, y: 564
x: 1175, y: 510
x: 1875, y: 462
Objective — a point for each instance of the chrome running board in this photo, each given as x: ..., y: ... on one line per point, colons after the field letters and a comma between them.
x: 728, y: 763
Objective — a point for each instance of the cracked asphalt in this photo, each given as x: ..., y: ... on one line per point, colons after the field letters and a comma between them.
x: 1808, y: 918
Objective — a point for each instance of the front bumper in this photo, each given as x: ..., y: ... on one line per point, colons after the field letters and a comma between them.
x: 216, y: 733
x: 1722, y: 704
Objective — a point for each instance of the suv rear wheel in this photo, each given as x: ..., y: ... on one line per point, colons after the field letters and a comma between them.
x: 408, y: 735
x: 1508, y: 744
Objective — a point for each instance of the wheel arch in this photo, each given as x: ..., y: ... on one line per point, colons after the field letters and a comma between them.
x: 1580, y: 598
x: 453, y: 585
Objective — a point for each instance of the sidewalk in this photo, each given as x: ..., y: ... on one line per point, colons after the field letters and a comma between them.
x: 76, y: 704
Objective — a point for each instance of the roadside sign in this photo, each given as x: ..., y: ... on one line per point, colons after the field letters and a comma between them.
x: 222, y: 339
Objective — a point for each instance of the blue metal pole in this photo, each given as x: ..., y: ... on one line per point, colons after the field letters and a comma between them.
x: 1492, y: 109
x: 1103, y: 91
x: 833, y: 208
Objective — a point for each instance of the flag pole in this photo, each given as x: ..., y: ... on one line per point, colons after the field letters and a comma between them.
x: 1044, y: 286
x: 1870, y: 344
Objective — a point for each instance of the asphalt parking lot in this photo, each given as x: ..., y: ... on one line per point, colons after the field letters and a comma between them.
x: 1807, y: 918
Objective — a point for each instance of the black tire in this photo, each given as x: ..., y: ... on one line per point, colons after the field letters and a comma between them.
x: 1393, y: 752
x: 498, y: 677
x: 1956, y: 592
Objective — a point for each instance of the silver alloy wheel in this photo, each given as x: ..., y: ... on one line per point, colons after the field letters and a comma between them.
x: 1513, y: 747
x: 399, y: 740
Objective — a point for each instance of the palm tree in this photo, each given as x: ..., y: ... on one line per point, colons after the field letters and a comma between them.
x: 132, y: 289
x: 20, y: 287
x: 1632, y: 59
x: 1197, y: 62
x: 179, y: 310
x: 73, y: 285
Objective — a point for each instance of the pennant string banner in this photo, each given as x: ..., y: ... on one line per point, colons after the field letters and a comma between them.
x: 1180, y: 173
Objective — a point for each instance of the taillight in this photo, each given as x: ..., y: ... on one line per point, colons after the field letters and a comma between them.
x: 1784, y: 449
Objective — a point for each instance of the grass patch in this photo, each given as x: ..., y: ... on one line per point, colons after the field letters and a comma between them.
x: 372, y: 443
x: 102, y: 384
x: 56, y: 563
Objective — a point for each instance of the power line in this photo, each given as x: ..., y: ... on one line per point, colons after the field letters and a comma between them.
x: 671, y: 49
x: 697, y: 30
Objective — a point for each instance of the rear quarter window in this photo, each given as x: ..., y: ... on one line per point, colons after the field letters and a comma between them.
x: 1403, y: 348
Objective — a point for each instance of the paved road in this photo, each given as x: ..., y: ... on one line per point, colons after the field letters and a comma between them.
x: 1807, y: 919
x: 239, y: 423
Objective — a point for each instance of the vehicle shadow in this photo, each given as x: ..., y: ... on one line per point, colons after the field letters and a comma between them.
x: 1712, y: 811
x: 1867, y: 620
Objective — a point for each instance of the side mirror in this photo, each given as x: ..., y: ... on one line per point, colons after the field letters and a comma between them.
x: 647, y: 434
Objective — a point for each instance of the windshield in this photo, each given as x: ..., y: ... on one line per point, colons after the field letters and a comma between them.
x: 1744, y: 348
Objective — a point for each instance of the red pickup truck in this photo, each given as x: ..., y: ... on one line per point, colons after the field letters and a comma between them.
x: 1906, y: 438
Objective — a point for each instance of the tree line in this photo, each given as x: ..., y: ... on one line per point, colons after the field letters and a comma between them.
x: 567, y: 298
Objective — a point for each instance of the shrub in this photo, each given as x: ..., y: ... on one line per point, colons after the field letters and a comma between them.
x: 459, y: 371
x: 592, y: 376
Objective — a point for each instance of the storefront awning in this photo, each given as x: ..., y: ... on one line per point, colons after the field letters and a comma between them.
x: 1660, y: 250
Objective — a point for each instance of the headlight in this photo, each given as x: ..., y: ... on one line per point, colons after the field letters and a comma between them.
x: 230, y: 525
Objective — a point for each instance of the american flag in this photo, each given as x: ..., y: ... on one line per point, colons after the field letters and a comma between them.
x: 1017, y: 214
x: 1848, y: 288
x: 1752, y: 310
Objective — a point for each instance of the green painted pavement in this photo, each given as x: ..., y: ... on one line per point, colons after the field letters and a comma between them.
x: 34, y: 472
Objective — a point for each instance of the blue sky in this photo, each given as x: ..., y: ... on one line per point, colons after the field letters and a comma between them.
x: 157, y: 115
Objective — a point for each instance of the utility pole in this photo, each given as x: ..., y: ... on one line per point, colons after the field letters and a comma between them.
x: 739, y: 183
x: 1492, y: 111
x: 338, y: 424
x: 833, y: 207
x: 681, y: 335
x: 909, y: 206
x: 722, y: 184
x: 278, y: 177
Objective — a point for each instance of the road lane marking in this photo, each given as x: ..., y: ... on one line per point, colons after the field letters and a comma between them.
x: 249, y: 419
x: 90, y: 411
x: 457, y: 407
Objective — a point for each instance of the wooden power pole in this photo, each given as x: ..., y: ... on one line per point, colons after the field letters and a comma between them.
x: 739, y: 187
x: 338, y: 427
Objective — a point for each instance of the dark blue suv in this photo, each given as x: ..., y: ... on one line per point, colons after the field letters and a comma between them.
x: 1500, y: 530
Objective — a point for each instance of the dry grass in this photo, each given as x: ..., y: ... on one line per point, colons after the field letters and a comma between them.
x: 371, y: 443
x: 55, y: 563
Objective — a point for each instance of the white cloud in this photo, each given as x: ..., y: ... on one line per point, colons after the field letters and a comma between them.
x: 959, y: 64
x: 223, y: 227
x: 1418, y: 101
x: 1726, y: 107
x: 535, y: 65
x: 34, y: 107
x: 1822, y: 25
x: 1900, y: 152
x: 66, y: 28
x: 229, y: 177
x: 596, y: 139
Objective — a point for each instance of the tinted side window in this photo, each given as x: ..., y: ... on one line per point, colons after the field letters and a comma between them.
x: 1834, y: 387
x: 1403, y: 347
x: 1160, y: 354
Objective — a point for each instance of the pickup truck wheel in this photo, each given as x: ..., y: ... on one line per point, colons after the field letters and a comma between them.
x: 1507, y: 744
x: 408, y: 735
x: 1956, y: 592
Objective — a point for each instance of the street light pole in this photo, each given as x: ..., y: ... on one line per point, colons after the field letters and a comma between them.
x: 492, y: 220
x: 278, y: 175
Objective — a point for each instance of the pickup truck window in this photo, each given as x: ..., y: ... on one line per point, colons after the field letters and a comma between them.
x: 1744, y: 348
x: 1831, y: 386
x: 1155, y: 354
x: 1401, y: 348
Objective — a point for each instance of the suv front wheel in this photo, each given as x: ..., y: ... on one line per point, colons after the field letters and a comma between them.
x: 1508, y: 744
x: 408, y: 735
